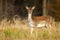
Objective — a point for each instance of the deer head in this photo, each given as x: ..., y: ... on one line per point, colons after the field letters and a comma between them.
x: 30, y: 9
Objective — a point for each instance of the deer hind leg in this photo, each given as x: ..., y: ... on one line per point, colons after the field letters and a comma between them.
x: 48, y: 26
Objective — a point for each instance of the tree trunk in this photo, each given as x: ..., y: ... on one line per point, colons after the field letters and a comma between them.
x: 44, y: 8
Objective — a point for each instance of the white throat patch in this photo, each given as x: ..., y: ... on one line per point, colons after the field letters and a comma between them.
x: 30, y: 20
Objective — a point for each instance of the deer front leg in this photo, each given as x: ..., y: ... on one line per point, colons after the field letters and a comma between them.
x: 31, y: 30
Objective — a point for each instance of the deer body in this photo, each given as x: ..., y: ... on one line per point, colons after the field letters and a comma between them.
x: 40, y: 21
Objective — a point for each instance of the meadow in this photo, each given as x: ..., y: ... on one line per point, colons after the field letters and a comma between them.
x: 20, y: 30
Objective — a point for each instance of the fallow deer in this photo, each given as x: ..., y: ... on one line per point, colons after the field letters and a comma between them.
x: 41, y: 21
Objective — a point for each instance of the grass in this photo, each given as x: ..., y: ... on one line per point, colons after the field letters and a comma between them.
x: 21, y: 31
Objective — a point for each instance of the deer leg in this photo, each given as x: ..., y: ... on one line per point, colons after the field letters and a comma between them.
x: 31, y: 30
x: 48, y: 28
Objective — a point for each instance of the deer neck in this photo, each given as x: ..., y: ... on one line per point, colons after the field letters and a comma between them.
x: 29, y: 17
x: 30, y: 21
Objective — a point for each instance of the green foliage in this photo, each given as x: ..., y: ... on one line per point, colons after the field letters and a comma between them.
x: 7, y: 33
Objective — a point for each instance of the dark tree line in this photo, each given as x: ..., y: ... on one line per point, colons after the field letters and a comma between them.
x: 10, y: 8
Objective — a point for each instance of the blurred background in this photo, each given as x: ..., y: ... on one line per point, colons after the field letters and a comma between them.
x: 14, y: 24
x: 10, y: 8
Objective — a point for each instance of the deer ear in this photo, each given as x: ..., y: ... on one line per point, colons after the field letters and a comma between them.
x: 33, y: 7
x: 26, y: 7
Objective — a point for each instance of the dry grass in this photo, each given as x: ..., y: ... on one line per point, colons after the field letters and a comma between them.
x: 21, y: 31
